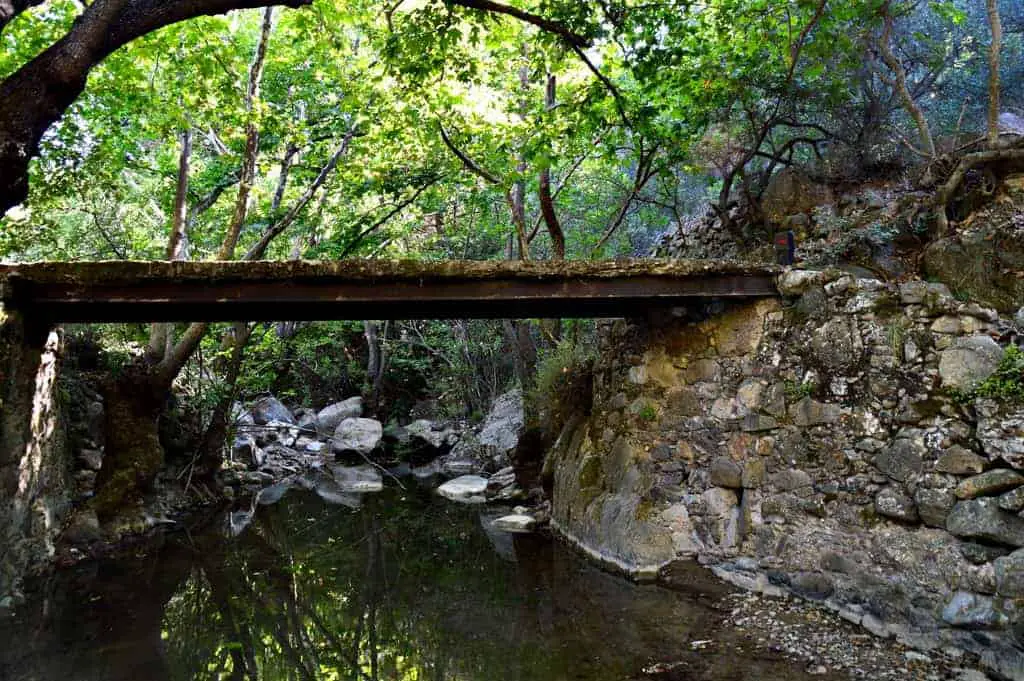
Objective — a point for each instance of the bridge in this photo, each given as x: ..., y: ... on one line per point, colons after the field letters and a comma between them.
x: 118, y: 291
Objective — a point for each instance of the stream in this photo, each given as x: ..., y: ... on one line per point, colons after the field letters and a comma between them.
x: 406, y: 587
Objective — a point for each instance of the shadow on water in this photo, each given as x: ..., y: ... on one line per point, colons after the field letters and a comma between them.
x: 406, y: 588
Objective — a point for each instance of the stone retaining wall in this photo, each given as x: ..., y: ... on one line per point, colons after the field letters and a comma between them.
x: 818, y: 446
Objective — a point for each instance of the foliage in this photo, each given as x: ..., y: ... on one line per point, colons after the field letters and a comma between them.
x: 1007, y: 382
x: 560, y: 367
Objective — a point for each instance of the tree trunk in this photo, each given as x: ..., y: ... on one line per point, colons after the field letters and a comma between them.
x: 993, y: 72
x: 899, y: 84
x: 547, y: 204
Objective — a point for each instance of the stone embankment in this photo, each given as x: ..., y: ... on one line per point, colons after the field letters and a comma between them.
x: 826, y: 446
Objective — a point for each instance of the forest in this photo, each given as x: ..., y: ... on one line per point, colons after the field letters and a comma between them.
x: 472, y: 130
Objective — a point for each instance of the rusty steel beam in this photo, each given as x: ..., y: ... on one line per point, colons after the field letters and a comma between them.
x: 148, y: 292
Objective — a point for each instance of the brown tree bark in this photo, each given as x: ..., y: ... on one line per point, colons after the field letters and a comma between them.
x: 993, y: 71
x: 898, y: 82
x: 252, y: 139
x: 547, y: 203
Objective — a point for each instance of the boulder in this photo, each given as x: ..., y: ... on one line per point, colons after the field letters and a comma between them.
x: 893, y: 503
x: 307, y: 421
x: 798, y: 282
x: 424, y: 430
x: 357, y: 435
x: 267, y: 409
x: 504, y: 423
x: 990, y: 483
x: 983, y: 519
x: 330, y: 416
x: 468, y: 489
x: 1001, y: 432
x: 91, y: 459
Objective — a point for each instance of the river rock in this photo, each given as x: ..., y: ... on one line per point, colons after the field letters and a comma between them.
x: 516, y: 523
x: 1001, y: 432
x: 91, y: 458
x: 357, y: 479
x: 968, y: 362
x: 468, y: 489
x: 424, y: 430
x: 960, y: 461
x: 267, y: 409
x: 504, y: 423
x: 990, y: 483
x: 983, y: 519
x: 332, y: 415
x: 357, y: 435
x: 893, y: 503
x: 307, y: 421
x: 273, y: 494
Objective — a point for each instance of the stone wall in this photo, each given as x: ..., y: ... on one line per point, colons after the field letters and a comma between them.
x: 814, y: 446
x: 34, y: 467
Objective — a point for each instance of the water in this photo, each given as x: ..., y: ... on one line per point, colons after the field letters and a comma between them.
x: 407, y: 588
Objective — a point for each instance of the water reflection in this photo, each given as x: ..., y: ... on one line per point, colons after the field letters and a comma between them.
x: 405, y: 589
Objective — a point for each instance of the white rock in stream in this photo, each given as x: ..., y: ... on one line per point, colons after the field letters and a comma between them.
x: 357, y: 435
x: 517, y: 522
x: 468, y: 489
x: 360, y: 479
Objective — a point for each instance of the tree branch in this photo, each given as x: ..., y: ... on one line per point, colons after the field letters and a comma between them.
x: 466, y: 160
x: 573, y: 38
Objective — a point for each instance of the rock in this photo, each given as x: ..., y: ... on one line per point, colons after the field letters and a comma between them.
x: 934, y: 505
x: 754, y: 423
x: 836, y: 345
x: 357, y: 435
x: 307, y: 421
x: 990, y: 483
x: 83, y: 528
x: 236, y: 522
x: 798, y: 282
x: 902, y: 460
x: 972, y: 611
x: 983, y: 519
x: 468, y: 489
x: 960, y: 461
x: 91, y: 459
x: 516, y: 523
x: 358, y: 479
x: 1012, y: 501
x: 979, y: 554
x: 808, y: 412
x: 1018, y: 318
x: 1010, y: 575
x: 1001, y: 432
x: 791, y: 480
x: 426, y: 431
x: 273, y: 494
x: 918, y: 292
x: 893, y: 503
x: 968, y: 362
x: 504, y: 423
x: 267, y: 409
x: 753, y: 474
x: 332, y: 415
x: 726, y: 473
x: 244, y: 449
x: 947, y: 324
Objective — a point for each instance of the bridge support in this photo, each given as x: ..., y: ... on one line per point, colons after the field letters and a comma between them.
x: 34, y: 477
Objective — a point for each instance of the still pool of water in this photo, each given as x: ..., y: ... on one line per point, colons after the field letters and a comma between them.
x: 406, y: 588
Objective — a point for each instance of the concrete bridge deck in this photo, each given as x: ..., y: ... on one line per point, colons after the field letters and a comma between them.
x: 120, y: 291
